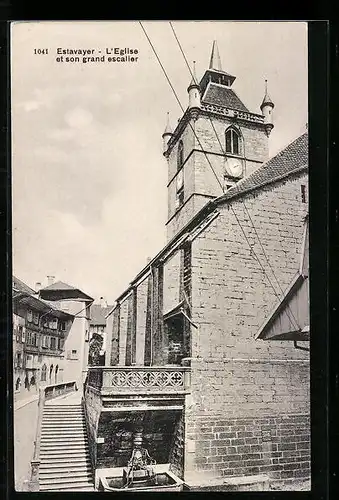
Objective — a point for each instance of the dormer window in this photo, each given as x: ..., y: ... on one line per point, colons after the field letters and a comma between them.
x: 180, y: 157
x: 232, y: 142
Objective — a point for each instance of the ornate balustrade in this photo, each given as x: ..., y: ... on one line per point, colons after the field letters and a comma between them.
x: 242, y: 115
x: 140, y: 379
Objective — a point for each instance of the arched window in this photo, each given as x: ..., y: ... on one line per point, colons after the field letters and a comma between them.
x: 56, y: 373
x: 43, y: 373
x: 232, y: 142
x: 180, y: 157
x: 50, y: 373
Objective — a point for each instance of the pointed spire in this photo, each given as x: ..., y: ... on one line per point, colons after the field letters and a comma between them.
x: 266, y: 100
x: 194, y: 81
x: 168, y: 129
x: 215, y: 61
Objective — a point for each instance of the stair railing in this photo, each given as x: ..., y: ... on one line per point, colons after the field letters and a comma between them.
x: 45, y: 393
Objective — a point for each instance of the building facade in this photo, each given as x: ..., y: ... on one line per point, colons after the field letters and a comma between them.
x: 215, y: 399
x: 39, y: 333
x: 72, y: 300
x: 50, y: 336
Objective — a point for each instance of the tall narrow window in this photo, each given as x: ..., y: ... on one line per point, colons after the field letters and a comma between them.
x: 303, y: 193
x: 43, y: 373
x: 232, y: 142
x: 180, y: 189
x: 180, y: 157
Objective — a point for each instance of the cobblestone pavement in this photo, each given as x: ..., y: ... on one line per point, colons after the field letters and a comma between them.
x: 25, y: 419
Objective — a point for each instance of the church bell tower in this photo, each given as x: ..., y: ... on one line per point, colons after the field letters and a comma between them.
x: 216, y: 143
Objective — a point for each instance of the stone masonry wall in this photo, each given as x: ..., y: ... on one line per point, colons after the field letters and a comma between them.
x: 123, y: 331
x: 176, y: 458
x: 171, y: 282
x: 141, y: 321
x: 93, y: 405
x: 198, y: 175
x: 235, y: 376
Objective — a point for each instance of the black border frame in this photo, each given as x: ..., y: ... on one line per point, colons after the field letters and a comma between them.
x: 324, y: 214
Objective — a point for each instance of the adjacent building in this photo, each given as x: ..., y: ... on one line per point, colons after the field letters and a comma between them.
x: 39, y: 333
x: 49, y: 335
x: 97, y: 332
x: 196, y: 359
x: 74, y: 301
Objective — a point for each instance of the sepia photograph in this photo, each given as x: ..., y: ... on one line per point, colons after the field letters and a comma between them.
x: 160, y: 245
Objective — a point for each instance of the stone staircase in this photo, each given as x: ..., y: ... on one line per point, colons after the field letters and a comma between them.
x: 64, y: 453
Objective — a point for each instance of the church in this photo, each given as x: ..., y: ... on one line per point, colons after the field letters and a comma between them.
x: 207, y: 354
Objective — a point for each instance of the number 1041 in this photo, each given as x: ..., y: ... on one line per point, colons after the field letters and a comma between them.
x: 41, y: 51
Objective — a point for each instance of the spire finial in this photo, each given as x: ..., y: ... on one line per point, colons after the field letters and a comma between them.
x: 168, y: 129
x: 194, y: 81
x: 266, y: 100
x: 215, y: 61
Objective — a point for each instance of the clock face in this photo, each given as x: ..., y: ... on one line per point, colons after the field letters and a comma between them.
x: 234, y: 166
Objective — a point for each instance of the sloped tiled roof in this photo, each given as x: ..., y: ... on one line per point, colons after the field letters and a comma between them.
x: 30, y: 298
x: 223, y: 96
x: 59, y: 285
x: 98, y: 314
x: 21, y: 286
x: 64, y: 289
x: 290, y: 159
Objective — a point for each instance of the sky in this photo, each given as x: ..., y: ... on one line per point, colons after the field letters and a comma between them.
x: 89, y: 179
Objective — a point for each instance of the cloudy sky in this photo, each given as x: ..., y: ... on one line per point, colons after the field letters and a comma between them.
x: 89, y: 178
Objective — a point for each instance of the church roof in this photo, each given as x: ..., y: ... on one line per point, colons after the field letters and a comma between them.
x: 292, y: 158
x: 215, y: 61
x: 223, y: 96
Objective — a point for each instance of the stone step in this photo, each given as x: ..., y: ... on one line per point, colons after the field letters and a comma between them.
x: 65, y: 475
x: 70, y: 441
x: 60, y: 451
x: 63, y: 418
x: 67, y: 467
x: 66, y: 411
x: 76, y: 405
x: 64, y: 461
x: 63, y: 415
x: 66, y: 480
x: 61, y: 447
x: 62, y: 458
x: 72, y: 486
x: 63, y: 432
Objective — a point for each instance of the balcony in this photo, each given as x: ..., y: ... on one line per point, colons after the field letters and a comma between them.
x: 139, y: 380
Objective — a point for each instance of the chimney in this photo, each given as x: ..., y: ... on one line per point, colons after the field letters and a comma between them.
x: 50, y: 280
x: 37, y: 286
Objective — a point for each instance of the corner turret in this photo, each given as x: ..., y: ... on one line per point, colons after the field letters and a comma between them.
x: 166, y: 135
x: 267, y: 111
x: 193, y: 90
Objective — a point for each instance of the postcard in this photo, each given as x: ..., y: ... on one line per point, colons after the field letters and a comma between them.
x: 161, y: 331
